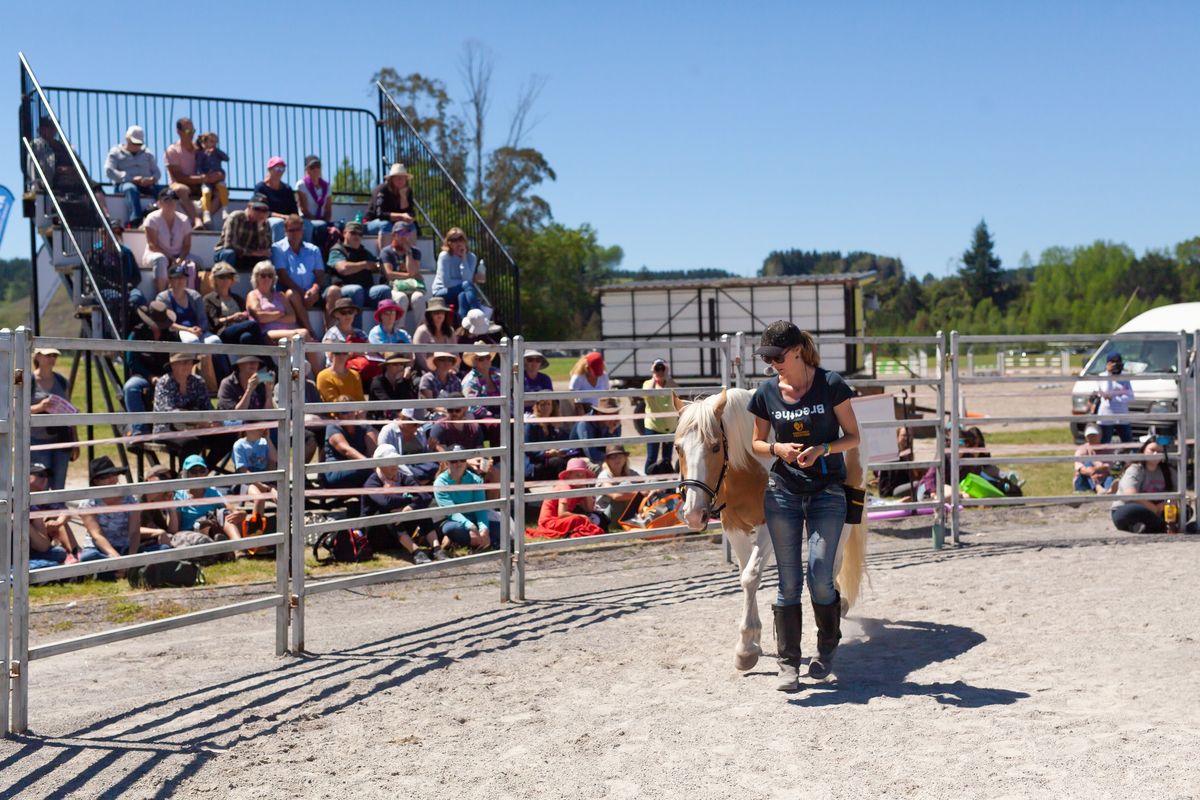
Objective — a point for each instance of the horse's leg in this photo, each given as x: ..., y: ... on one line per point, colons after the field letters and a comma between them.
x: 750, y: 626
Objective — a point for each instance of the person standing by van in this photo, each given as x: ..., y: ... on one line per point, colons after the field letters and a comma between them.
x: 1114, y: 395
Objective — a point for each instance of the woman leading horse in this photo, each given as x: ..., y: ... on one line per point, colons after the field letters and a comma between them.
x: 808, y: 409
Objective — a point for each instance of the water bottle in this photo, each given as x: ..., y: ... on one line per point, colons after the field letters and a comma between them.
x: 1171, y: 516
x: 358, y: 217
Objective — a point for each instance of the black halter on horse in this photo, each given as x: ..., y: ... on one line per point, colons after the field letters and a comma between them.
x: 713, y: 491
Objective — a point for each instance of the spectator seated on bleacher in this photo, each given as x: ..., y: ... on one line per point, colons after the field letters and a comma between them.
x: 535, y: 379
x: 409, y: 438
x: 143, y: 370
x: 245, y: 236
x: 300, y: 271
x: 388, y: 328
x: 134, y: 172
x: 247, y: 387
x: 181, y: 389
x: 217, y: 520
x: 338, y: 380
x: 274, y: 314
x: 442, y: 380
x: 391, y: 203
x: 210, y: 160
x: 571, y: 517
x: 281, y: 199
x: 544, y: 465
x: 456, y: 430
x: 226, y: 310
x: 99, y: 261
x: 54, y: 159
x: 345, y: 329
x: 169, y: 242
x: 191, y: 322
x: 402, y: 270
x: 438, y: 328
x: 50, y: 539
x: 396, y: 380
x: 390, y: 479
x: 483, y: 380
x: 476, y: 328
x: 185, y: 178
x: 315, y: 199
x: 1093, y: 472
x: 352, y: 270
x: 601, y: 423
x: 458, y: 270
x: 348, y: 442
x: 113, y: 532
x: 477, y: 530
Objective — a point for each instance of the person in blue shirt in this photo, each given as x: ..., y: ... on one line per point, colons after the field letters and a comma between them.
x: 475, y: 529
x: 229, y: 518
x: 255, y: 452
x: 300, y: 272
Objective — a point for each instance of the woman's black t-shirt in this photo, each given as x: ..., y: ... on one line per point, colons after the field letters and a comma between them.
x: 810, y: 421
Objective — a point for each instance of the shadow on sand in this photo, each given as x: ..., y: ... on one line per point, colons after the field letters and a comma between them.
x: 878, y: 665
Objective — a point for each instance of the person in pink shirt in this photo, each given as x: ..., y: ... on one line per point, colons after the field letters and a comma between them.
x: 180, y: 159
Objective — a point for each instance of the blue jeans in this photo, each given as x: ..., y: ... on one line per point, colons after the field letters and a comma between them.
x: 1123, y: 430
x: 135, y: 392
x: 245, y: 332
x: 96, y: 554
x: 133, y: 199
x: 346, y: 479
x: 57, y: 461
x: 463, y: 297
x: 1085, y: 484
x: 787, y: 515
x: 374, y: 296
x: 53, y: 557
x: 655, y: 451
x: 278, y: 233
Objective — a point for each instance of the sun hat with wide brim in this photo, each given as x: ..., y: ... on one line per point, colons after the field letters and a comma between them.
x: 249, y: 360
x: 102, y: 467
x: 398, y: 358
x: 439, y: 356
x: 388, y: 304
x: 398, y: 170
x: 470, y: 358
x: 157, y: 314
x: 180, y: 358
x: 607, y: 405
x: 576, y: 468
x: 543, y: 362
x: 476, y: 323
x: 436, y: 304
x: 47, y: 351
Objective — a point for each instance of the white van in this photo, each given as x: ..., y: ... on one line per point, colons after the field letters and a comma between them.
x: 1146, y: 355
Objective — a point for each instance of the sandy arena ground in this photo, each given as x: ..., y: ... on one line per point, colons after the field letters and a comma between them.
x: 1047, y: 657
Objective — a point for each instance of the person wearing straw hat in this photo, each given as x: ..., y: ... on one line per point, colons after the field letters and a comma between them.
x: 442, y: 380
x: 481, y: 380
x: 144, y: 369
x: 438, y: 328
x: 571, y: 517
x: 535, y: 379
x: 181, y: 389
x: 51, y: 396
x: 613, y: 471
x: 395, y: 382
x: 391, y: 203
x: 600, y: 422
x: 109, y: 530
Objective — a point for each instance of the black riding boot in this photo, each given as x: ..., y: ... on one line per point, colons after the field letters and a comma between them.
x: 829, y: 633
x: 789, y: 621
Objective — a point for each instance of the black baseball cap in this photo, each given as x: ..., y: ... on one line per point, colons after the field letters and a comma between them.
x: 259, y: 201
x: 778, y: 337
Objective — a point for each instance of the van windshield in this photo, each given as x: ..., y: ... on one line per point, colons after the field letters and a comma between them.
x: 1156, y: 356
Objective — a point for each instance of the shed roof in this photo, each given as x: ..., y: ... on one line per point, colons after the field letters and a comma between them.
x: 735, y: 283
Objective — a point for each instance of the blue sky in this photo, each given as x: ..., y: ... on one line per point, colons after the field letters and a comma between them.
x: 707, y: 134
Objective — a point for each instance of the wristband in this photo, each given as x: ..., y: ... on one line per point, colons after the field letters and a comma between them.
x: 772, y: 450
x: 828, y: 449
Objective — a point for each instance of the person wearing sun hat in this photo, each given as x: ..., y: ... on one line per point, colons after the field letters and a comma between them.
x: 613, y: 471
x: 392, y: 479
x: 181, y: 389
x: 51, y: 395
x: 110, y: 531
x: 442, y: 379
x: 535, y: 379
x: 571, y: 517
x: 391, y: 203
x: 437, y: 328
x: 394, y: 382
x: 483, y: 380
x: 143, y: 369
x: 388, y: 329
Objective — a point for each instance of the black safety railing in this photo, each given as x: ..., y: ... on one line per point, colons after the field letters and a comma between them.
x: 444, y: 205
x: 52, y: 166
x: 249, y: 131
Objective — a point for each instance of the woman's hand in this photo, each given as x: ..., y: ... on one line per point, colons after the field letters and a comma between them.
x: 787, y: 452
x: 808, y: 456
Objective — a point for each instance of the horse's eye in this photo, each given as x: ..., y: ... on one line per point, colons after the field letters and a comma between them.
x: 716, y: 448
x: 678, y: 449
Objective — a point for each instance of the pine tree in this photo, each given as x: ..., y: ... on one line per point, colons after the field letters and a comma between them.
x: 980, y: 271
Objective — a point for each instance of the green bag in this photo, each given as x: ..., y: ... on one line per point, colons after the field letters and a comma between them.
x: 166, y: 574
x: 973, y: 485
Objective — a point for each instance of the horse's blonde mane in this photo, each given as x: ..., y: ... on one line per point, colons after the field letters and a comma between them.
x: 700, y: 419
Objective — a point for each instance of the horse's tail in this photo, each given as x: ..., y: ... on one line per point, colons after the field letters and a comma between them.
x: 852, y: 549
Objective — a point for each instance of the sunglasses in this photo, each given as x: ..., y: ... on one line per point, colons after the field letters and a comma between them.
x: 345, y: 311
x: 779, y: 359
x: 277, y: 169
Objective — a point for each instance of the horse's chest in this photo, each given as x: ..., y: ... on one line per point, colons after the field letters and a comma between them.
x: 744, y: 492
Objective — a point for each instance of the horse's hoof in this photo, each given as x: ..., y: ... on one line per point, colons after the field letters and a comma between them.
x: 745, y: 661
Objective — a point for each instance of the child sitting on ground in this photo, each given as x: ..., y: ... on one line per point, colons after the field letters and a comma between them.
x: 209, y: 158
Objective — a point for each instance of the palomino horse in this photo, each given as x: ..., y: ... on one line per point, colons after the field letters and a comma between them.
x: 721, y: 473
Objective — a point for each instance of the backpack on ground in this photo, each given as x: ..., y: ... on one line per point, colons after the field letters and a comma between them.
x: 174, y: 574
x: 255, y: 525
x: 344, y: 547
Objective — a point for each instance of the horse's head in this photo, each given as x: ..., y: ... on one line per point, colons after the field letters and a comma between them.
x: 703, y: 457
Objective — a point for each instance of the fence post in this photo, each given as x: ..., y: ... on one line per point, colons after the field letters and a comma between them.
x: 726, y: 369
x: 739, y: 367
x: 517, y: 450
x: 295, y: 486
x: 1195, y: 411
x: 955, y: 407
x: 1181, y: 430
x: 22, y: 355
x: 1066, y: 361
x: 7, y: 484
x: 939, y: 524
x: 506, y: 417
x: 283, y: 509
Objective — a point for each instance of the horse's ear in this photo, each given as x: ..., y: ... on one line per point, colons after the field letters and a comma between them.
x: 722, y: 399
x: 675, y: 401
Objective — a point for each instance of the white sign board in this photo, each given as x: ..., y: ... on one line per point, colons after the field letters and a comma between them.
x: 877, y: 444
